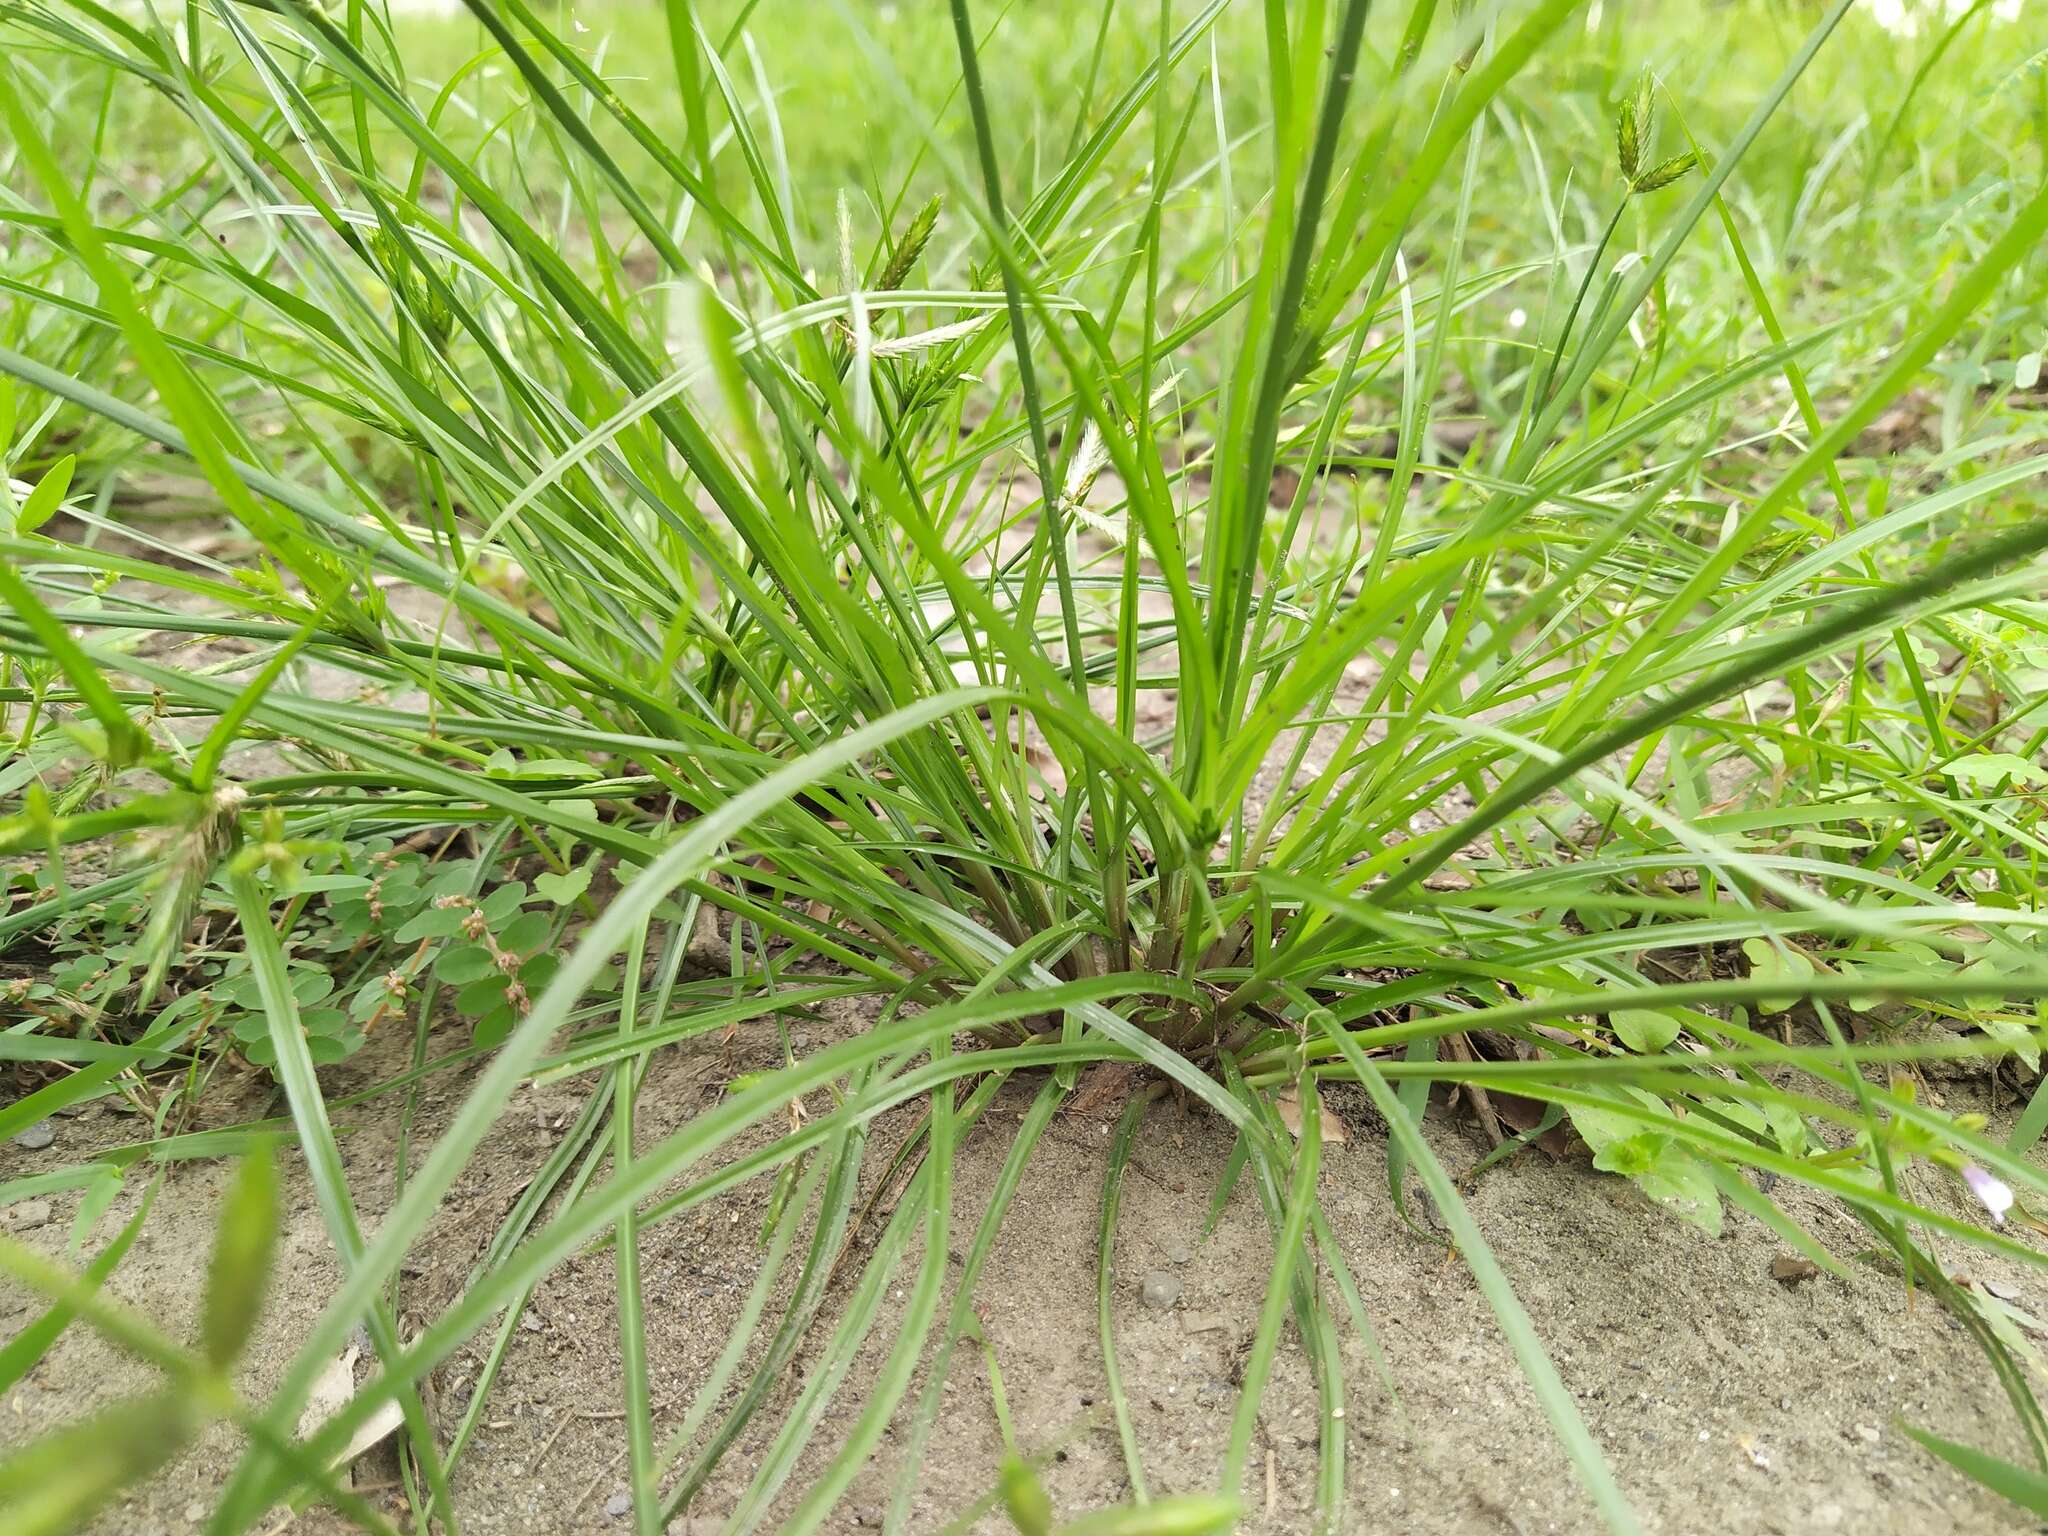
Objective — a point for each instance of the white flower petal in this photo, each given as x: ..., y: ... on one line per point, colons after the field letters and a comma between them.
x: 1997, y: 1197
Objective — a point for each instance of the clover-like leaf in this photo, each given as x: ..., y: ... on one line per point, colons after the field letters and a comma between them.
x: 461, y: 964
x: 564, y: 888
x: 1681, y: 1184
x: 483, y: 994
x: 1645, y: 1031
x: 1769, y: 962
x: 525, y: 933
x: 1988, y: 770
x: 1632, y: 1156
x: 493, y: 1027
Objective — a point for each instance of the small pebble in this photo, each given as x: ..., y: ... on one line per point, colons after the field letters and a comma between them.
x: 1204, y: 1322
x: 1161, y: 1290
x: 36, y: 1137
x: 1176, y: 1251
x: 619, y: 1505
x: 1869, y: 1432
x: 26, y: 1215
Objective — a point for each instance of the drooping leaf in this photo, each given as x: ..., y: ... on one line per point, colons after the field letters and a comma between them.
x: 2021, y: 1485
x: 244, y: 1247
x: 41, y: 503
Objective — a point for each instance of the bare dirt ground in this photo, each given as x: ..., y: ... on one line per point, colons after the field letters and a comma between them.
x: 1725, y: 1399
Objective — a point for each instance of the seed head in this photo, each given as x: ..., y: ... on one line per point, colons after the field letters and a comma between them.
x: 910, y: 247
x: 1663, y: 173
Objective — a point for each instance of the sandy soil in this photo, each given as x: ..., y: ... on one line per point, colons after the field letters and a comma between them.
x: 1725, y: 1399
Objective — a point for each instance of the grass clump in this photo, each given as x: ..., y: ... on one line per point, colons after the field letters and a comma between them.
x: 1238, y: 577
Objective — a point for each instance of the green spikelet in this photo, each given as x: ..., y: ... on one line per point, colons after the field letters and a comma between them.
x: 1664, y: 172
x: 910, y: 247
x: 1628, y: 148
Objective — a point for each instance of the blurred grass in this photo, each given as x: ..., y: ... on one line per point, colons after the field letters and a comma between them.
x: 1864, y: 191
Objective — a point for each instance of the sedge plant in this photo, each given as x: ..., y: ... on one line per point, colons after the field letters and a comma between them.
x: 1034, y: 598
